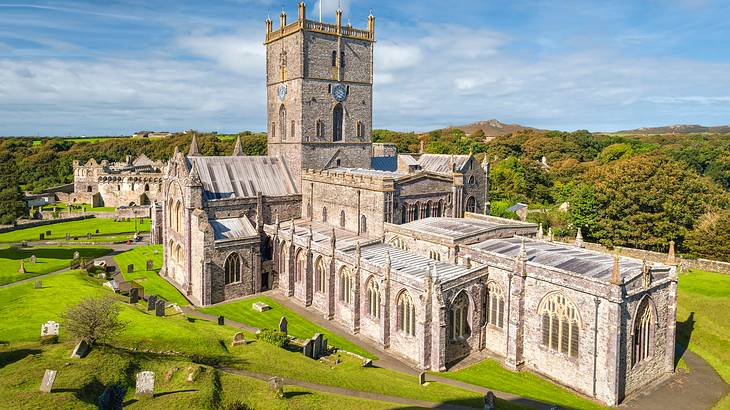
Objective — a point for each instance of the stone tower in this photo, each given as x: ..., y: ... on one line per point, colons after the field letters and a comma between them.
x: 319, y: 82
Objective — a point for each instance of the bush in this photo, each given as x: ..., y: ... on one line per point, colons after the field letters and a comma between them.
x: 94, y: 320
x: 272, y: 336
x: 237, y: 405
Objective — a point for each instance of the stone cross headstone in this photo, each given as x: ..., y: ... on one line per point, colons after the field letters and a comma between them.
x: 317, y: 339
x: 76, y: 255
x: 48, y: 378
x: 21, y: 269
x: 150, y: 264
x: 41, y: 236
x: 130, y: 268
x: 308, y: 348
x: 151, y: 302
x: 221, y: 320
x: 239, y: 339
x: 489, y: 401
x: 422, y: 378
x: 145, y: 384
x: 276, y: 387
x: 81, y: 350
x: 133, y: 295
x: 282, y: 325
x: 33, y: 259
x: 38, y: 284
x: 68, y: 236
x: 160, y: 308
x: 50, y: 328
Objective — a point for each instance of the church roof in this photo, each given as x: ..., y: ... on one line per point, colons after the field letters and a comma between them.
x: 233, y: 228
x: 142, y: 160
x: 442, y: 162
x: 457, y: 228
x: 369, y: 172
x: 561, y: 256
x: 243, y: 176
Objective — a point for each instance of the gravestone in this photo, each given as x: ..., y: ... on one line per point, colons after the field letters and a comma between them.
x: 33, y: 259
x: 41, y: 236
x: 50, y: 328
x: 145, y: 386
x: 276, y: 387
x: 88, y: 235
x: 48, y: 378
x: 38, y: 284
x: 97, y: 231
x: 160, y: 308
x: 317, y: 352
x: 21, y: 269
x: 422, y: 378
x: 282, y: 325
x: 48, y: 233
x: 133, y: 295
x: 239, y: 339
x: 221, y: 320
x: 261, y: 307
x: 489, y: 401
x: 367, y: 363
x: 68, y: 236
x: 112, y: 398
x: 130, y: 268
x: 324, y: 346
x: 308, y: 348
x: 76, y: 238
x: 76, y: 255
x: 81, y: 350
x: 151, y: 301
x: 156, y: 252
x: 150, y: 264
x: 24, y: 244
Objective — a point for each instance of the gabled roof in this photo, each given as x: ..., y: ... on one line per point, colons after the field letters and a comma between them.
x: 233, y: 228
x: 442, y: 162
x: 142, y: 160
x: 243, y: 176
x: 456, y: 228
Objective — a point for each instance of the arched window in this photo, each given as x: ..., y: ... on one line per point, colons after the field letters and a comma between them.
x: 324, y: 214
x: 363, y: 224
x: 273, y: 130
x: 406, y: 314
x: 319, y: 128
x: 560, y: 324
x: 88, y: 188
x: 334, y: 59
x: 342, y: 58
x: 345, y: 285
x: 283, y: 260
x: 282, y: 122
x: 320, y: 274
x: 300, y: 269
x: 267, y: 249
x: 416, y: 211
x: 373, y: 299
x: 360, y: 128
x: 434, y: 255
x: 403, y: 213
x: 342, y: 218
x: 293, y: 129
x: 427, y: 211
x: 233, y: 268
x: 471, y: 204
x: 178, y: 217
x: 441, y: 208
x: 643, y: 332
x: 458, y: 317
x: 337, y: 119
x: 146, y: 187
x: 398, y: 243
x: 472, y: 181
x: 495, y: 305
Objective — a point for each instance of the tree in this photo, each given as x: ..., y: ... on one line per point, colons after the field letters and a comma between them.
x: 582, y: 210
x: 94, y: 320
x: 12, y: 205
x: 711, y: 237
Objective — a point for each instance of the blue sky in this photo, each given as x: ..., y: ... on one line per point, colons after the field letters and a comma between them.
x: 114, y: 67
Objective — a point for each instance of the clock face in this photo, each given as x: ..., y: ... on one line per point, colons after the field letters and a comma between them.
x: 339, y: 92
x: 282, y: 92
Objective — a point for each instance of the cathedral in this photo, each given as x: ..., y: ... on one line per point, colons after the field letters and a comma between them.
x: 405, y: 254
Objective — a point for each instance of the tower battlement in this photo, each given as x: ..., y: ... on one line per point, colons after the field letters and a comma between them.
x: 303, y: 24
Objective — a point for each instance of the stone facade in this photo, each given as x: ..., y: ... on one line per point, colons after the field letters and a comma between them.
x: 129, y: 183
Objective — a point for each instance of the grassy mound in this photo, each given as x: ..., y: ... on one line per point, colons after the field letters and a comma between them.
x: 48, y: 259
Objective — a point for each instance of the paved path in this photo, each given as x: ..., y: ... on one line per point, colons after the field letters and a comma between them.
x: 701, y: 388
x: 348, y: 392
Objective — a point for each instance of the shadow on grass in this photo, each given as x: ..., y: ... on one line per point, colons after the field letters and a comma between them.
x: 174, y: 392
x: 291, y: 394
x: 684, y: 335
x: 88, y: 393
x: 50, y: 253
x: 12, y: 356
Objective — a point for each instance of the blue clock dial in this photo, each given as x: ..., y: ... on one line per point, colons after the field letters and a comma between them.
x: 282, y: 92
x: 339, y: 92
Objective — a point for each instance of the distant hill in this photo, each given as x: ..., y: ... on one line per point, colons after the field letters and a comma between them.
x: 491, y: 128
x: 679, y: 129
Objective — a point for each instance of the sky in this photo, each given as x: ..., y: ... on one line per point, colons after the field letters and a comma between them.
x: 115, y: 67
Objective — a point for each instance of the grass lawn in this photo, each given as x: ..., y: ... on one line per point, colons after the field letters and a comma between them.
x: 152, y: 282
x: 75, y: 228
x: 703, y: 318
x: 60, y: 206
x: 298, y: 327
x: 48, y: 259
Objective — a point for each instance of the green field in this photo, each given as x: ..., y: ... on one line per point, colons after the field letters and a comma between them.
x: 298, y: 327
x: 78, y: 208
x: 48, y: 259
x: 106, y: 227
x: 703, y: 317
x: 152, y: 282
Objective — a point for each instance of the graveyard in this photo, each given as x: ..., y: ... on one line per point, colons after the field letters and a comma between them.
x: 148, y: 278
x: 101, y: 230
x: 39, y: 260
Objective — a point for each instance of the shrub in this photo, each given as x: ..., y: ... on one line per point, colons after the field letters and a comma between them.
x: 94, y: 320
x: 237, y: 405
x: 272, y: 336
